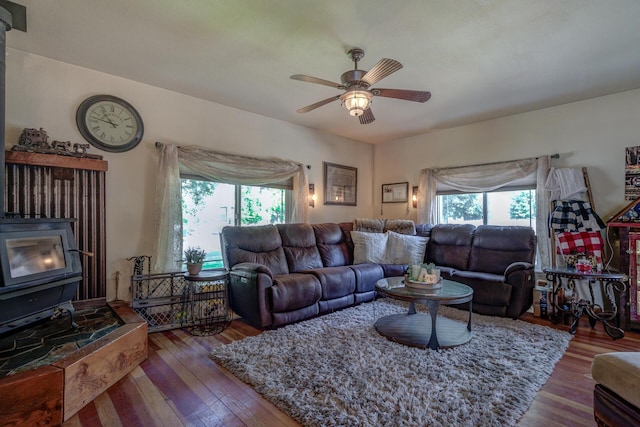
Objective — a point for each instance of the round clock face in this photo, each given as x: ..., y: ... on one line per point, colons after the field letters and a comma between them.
x: 109, y: 123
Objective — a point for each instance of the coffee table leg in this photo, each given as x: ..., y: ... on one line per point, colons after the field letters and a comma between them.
x: 412, y: 308
x: 470, y: 311
x: 433, y: 310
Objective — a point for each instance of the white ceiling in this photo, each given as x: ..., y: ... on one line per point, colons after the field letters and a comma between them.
x: 480, y: 59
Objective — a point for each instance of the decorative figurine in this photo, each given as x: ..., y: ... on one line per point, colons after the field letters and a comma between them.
x: 37, y: 141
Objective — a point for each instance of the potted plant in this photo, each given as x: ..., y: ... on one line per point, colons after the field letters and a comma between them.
x: 194, y: 257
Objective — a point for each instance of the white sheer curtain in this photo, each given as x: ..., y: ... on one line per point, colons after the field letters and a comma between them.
x: 216, y: 166
x: 490, y: 177
x: 542, y: 212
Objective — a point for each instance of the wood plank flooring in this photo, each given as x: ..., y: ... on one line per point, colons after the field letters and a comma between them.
x: 178, y: 385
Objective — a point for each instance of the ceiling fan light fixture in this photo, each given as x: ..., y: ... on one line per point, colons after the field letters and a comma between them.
x: 356, y: 101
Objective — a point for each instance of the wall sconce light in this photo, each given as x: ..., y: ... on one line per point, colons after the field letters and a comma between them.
x: 312, y: 195
x: 414, y: 196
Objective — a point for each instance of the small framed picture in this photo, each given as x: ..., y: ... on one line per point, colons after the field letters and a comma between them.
x: 395, y: 193
x: 340, y: 185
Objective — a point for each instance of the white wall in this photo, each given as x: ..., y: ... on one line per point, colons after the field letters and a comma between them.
x: 45, y: 93
x: 592, y: 133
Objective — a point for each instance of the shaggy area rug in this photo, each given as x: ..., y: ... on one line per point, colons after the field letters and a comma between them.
x: 336, y: 370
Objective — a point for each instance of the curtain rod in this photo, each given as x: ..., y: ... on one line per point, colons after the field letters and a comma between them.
x: 553, y: 156
x: 160, y: 144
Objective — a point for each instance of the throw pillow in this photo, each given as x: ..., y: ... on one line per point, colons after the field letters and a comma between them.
x: 588, y: 242
x: 405, y: 249
x: 370, y: 225
x: 402, y: 226
x: 369, y: 247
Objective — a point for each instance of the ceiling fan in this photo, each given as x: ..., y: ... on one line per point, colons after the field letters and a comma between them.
x: 358, y: 97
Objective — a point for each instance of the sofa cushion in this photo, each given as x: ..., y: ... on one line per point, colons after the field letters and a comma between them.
x: 335, y: 281
x: 369, y: 247
x: 620, y: 373
x: 450, y: 245
x: 495, y: 247
x: 401, y: 226
x: 393, y: 270
x: 293, y: 291
x: 405, y: 249
x: 424, y: 230
x: 260, y: 244
x: 369, y: 225
x: 366, y: 276
x: 333, y: 245
x: 299, y: 245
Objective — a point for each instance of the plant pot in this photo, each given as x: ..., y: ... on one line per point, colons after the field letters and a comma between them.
x: 194, y: 269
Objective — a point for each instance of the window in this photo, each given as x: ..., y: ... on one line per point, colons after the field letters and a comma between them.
x: 510, y: 207
x: 208, y: 206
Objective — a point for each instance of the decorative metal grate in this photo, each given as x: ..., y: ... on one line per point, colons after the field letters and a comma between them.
x: 206, y: 306
x: 199, y: 304
x: 159, y: 298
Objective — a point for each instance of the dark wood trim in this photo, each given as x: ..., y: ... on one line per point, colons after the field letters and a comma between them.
x: 56, y: 161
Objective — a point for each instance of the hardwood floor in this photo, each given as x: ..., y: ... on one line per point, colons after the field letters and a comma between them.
x: 179, y: 385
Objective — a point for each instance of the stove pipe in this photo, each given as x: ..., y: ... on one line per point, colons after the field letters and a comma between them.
x: 5, y: 25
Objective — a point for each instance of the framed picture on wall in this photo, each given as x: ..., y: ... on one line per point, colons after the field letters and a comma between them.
x: 340, y: 184
x: 632, y: 173
x: 395, y: 193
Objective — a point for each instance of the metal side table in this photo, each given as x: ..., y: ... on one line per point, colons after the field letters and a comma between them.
x: 566, y: 300
x: 206, y: 303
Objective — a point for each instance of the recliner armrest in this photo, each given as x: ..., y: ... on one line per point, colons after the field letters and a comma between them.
x: 252, y: 267
x: 517, y: 266
x: 248, y: 293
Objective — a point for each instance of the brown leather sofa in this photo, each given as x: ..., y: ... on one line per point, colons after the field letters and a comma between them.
x: 290, y: 272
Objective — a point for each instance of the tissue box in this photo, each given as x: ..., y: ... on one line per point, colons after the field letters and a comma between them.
x: 542, y: 301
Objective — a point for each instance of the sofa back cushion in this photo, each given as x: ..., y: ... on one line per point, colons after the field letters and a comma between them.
x: 450, y: 245
x: 259, y: 244
x: 424, y: 230
x: 333, y: 245
x: 400, y: 226
x: 405, y: 249
x: 369, y: 225
x: 299, y: 245
x: 495, y: 247
x: 382, y: 225
x: 369, y: 247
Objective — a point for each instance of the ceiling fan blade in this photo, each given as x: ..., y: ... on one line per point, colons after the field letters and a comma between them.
x: 318, y: 104
x: 310, y: 79
x: 407, y: 95
x: 382, y: 69
x: 366, y: 117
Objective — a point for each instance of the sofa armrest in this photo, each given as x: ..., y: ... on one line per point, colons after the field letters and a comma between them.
x: 249, y: 293
x: 516, y: 266
x: 521, y: 278
x: 252, y: 267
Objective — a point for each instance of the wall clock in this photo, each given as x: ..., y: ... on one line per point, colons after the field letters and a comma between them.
x: 109, y: 123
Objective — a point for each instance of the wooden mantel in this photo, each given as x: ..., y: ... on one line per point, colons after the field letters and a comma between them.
x: 55, y: 160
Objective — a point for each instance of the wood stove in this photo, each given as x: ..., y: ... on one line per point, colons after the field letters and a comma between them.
x: 40, y: 269
x: 39, y: 261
